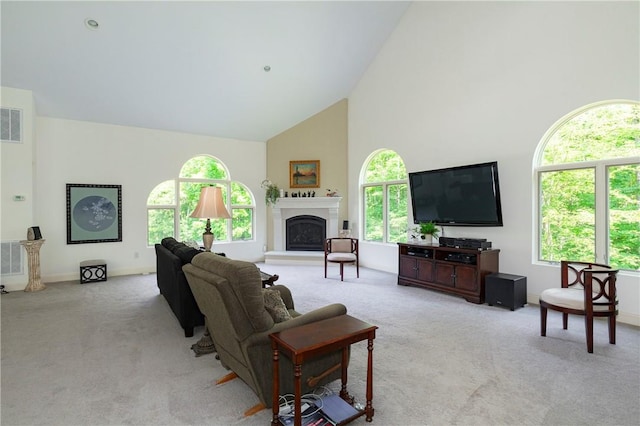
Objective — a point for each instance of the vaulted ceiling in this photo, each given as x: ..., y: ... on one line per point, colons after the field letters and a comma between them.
x: 194, y: 67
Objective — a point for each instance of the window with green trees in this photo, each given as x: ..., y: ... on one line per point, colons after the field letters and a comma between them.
x: 384, y: 191
x: 589, y: 191
x: 170, y: 204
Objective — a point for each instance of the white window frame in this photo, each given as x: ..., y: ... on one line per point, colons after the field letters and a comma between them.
x: 226, y: 183
x: 385, y: 196
x: 601, y: 220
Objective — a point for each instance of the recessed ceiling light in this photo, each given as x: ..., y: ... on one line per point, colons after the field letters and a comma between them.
x: 267, y: 68
x: 92, y: 24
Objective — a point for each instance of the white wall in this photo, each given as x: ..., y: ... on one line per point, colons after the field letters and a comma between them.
x: 460, y: 83
x: 17, y: 177
x: 138, y: 159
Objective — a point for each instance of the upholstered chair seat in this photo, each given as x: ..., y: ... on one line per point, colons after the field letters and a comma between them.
x: 571, y: 299
x: 341, y: 257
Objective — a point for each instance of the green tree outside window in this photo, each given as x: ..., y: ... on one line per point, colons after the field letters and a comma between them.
x: 166, y: 207
x: 160, y: 225
x: 242, y: 212
x: 589, y: 183
x: 385, y: 198
x: 203, y: 167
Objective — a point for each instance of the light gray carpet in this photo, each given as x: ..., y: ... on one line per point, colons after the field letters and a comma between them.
x: 112, y: 353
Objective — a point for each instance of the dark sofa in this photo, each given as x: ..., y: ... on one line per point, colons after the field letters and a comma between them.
x: 171, y: 255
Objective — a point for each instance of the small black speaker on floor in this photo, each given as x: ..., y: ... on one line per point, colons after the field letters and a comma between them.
x: 505, y: 290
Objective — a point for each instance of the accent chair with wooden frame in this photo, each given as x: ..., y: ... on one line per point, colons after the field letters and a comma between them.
x: 588, y: 289
x: 341, y: 250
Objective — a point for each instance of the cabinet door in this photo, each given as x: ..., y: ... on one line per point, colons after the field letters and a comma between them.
x: 445, y: 274
x: 425, y: 270
x: 466, y: 278
x: 407, y: 267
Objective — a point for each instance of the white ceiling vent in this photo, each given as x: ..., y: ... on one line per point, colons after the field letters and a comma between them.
x: 11, y: 125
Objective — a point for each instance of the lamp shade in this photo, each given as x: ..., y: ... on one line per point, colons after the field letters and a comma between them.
x: 210, y: 205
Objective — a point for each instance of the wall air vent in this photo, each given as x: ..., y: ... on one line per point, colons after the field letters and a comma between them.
x: 11, y: 260
x: 11, y: 125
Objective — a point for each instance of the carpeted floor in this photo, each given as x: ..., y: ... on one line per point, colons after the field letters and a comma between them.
x: 112, y: 353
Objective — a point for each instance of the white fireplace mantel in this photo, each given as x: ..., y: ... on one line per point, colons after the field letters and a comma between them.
x: 285, y: 208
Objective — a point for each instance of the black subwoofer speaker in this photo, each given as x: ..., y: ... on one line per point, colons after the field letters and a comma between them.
x: 505, y: 290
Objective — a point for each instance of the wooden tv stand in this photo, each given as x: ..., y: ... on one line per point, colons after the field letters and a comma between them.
x: 451, y: 270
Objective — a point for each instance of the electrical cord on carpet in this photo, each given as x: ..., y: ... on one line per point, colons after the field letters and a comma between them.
x: 287, y: 402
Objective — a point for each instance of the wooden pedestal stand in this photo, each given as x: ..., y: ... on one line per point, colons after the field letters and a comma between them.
x: 33, y: 254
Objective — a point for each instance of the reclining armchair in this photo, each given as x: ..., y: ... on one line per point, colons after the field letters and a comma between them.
x: 230, y: 295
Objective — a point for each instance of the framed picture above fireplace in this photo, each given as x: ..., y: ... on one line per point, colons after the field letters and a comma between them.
x: 304, y: 174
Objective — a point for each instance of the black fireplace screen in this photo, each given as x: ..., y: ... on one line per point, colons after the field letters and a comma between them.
x: 306, y: 233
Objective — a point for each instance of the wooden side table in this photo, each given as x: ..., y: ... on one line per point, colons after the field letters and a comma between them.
x: 321, y: 337
x: 33, y: 257
x: 267, y: 279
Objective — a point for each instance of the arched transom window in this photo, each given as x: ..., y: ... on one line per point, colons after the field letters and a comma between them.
x: 171, y: 202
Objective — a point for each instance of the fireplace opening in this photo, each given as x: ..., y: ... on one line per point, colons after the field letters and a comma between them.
x: 305, y: 233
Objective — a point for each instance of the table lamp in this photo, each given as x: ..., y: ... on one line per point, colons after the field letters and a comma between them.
x: 210, y: 206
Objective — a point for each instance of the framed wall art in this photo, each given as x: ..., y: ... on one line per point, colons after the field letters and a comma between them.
x: 304, y: 174
x: 94, y: 213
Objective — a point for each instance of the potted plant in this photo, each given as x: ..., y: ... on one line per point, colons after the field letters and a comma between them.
x: 429, y: 229
x: 272, y: 192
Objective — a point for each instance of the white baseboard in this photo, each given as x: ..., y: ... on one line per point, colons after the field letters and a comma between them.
x: 313, y: 258
x: 20, y: 286
x: 630, y: 319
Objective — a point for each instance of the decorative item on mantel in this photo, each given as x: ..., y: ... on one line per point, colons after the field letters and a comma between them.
x: 332, y: 193
x: 272, y: 192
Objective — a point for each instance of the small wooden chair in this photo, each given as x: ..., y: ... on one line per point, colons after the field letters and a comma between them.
x: 341, y: 250
x: 588, y: 289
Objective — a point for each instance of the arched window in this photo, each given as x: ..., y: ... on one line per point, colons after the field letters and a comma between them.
x: 170, y: 204
x: 384, y: 194
x: 161, y: 212
x: 588, y: 173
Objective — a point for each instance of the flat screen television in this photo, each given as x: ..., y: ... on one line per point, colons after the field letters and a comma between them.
x: 457, y: 196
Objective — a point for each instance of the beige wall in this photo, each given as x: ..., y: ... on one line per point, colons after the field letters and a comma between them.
x: 321, y: 137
